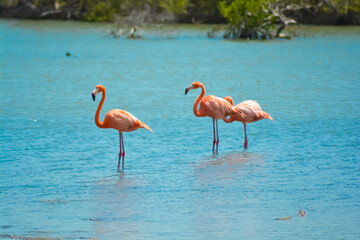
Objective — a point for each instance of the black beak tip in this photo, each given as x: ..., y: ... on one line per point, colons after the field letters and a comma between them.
x: 93, y: 96
x: 186, y: 91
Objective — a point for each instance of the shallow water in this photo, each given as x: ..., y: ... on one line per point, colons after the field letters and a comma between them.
x: 59, y: 171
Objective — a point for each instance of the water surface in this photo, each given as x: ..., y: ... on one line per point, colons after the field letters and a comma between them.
x: 59, y: 171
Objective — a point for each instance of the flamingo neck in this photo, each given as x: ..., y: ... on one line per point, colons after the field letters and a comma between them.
x: 196, y: 109
x: 97, y: 114
x: 228, y: 120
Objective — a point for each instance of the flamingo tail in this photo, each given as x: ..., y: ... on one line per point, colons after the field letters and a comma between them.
x: 143, y: 125
x: 265, y: 115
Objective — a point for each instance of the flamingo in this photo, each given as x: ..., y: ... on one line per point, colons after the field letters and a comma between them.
x: 120, y: 120
x: 252, y: 112
x: 211, y: 106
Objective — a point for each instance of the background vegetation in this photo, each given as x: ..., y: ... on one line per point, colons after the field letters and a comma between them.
x: 245, y: 18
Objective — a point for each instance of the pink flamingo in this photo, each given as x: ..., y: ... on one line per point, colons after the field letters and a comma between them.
x: 251, y: 112
x: 120, y: 120
x: 211, y: 106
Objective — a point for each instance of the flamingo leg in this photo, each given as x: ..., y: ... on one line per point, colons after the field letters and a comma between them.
x: 214, y: 136
x: 246, y: 142
x: 120, y: 154
x: 123, y: 153
x: 217, y: 136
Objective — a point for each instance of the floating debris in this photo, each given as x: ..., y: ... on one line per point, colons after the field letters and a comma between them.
x: 302, y: 213
x: 284, y: 218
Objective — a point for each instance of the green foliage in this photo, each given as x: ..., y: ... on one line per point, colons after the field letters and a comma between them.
x: 202, y: 10
x: 174, y: 6
x: 354, y: 5
x: 43, y: 2
x: 208, y: 6
x: 99, y: 11
x: 248, y: 18
x: 105, y: 10
x: 9, y: 3
x: 239, y: 11
x: 256, y: 18
x: 344, y: 6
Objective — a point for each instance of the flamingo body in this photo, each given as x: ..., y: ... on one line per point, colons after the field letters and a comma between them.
x: 120, y: 120
x: 123, y: 121
x: 215, y: 107
x: 251, y: 112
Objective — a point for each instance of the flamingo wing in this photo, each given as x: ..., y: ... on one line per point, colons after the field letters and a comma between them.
x: 215, y: 107
x: 121, y: 120
x: 249, y: 107
x: 252, y: 111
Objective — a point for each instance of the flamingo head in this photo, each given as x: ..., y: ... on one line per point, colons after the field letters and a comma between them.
x: 98, y: 88
x: 194, y: 85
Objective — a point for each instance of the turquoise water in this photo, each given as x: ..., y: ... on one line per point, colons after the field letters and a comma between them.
x: 59, y: 171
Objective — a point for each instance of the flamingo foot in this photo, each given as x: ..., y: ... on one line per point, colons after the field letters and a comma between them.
x: 245, y: 145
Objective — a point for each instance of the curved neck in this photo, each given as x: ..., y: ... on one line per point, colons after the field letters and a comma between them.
x: 97, y: 114
x: 196, y: 103
x: 228, y: 120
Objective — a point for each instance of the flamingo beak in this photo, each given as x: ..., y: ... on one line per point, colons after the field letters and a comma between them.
x: 188, y: 89
x: 94, y: 94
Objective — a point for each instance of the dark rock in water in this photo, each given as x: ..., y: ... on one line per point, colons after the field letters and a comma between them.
x: 68, y: 54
